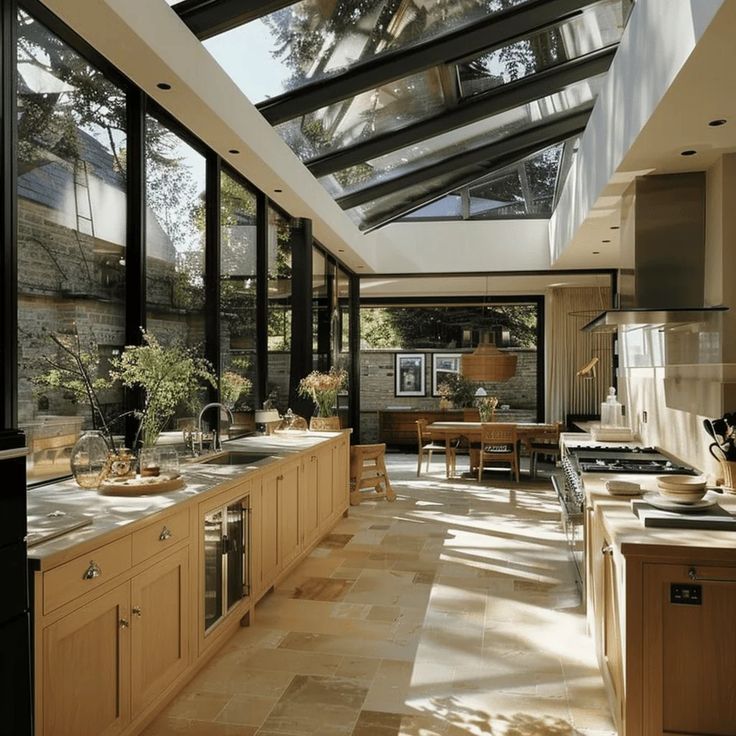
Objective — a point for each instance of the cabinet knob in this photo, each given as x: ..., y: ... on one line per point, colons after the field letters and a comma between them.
x: 166, y: 533
x: 124, y: 623
x: 136, y: 610
x: 93, y: 571
x: 280, y: 477
x: 607, y: 549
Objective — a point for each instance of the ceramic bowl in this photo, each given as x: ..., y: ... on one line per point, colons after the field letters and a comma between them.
x: 686, y: 495
x: 681, y: 482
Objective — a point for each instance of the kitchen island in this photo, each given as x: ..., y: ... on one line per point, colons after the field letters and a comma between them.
x: 661, y: 606
x: 128, y: 608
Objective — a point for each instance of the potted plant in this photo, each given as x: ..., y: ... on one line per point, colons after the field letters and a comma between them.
x: 323, y: 388
x: 458, y: 390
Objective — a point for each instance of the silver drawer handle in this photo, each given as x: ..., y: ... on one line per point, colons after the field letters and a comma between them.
x: 166, y: 533
x: 124, y: 623
x: 607, y: 549
x: 692, y: 573
x: 136, y: 611
x: 93, y: 571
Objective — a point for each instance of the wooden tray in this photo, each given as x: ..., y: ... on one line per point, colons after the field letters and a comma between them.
x: 141, y: 486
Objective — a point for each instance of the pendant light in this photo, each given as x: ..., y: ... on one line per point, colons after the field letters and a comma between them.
x: 487, y: 362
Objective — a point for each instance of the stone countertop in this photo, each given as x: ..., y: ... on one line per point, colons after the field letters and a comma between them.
x: 628, y: 532
x: 109, y: 513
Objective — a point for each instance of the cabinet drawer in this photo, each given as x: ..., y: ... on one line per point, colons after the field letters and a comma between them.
x: 160, y: 535
x: 84, y: 573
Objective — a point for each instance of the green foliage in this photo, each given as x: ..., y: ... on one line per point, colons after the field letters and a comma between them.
x: 323, y: 388
x: 376, y: 330
x: 459, y: 390
x: 168, y: 376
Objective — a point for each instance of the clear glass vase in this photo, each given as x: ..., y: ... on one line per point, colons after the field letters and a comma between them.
x: 89, y: 459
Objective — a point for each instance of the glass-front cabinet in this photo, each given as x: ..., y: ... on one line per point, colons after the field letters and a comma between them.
x: 226, y: 559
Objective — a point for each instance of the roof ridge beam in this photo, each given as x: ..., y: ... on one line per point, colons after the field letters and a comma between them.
x: 493, y: 102
x: 539, y: 136
x: 492, y: 32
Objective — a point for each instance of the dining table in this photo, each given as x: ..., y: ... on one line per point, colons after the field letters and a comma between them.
x: 449, y: 431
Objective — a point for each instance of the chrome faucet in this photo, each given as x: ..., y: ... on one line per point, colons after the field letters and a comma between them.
x: 216, y: 442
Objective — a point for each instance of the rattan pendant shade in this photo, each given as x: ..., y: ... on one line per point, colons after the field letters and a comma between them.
x: 488, y: 363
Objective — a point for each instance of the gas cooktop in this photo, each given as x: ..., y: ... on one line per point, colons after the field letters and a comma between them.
x: 626, y: 460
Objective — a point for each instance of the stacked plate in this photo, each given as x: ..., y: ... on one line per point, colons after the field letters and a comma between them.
x: 685, y: 489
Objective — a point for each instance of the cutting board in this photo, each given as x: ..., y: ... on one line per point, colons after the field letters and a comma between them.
x: 714, y: 518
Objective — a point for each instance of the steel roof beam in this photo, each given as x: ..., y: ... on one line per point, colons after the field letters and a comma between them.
x: 207, y: 18
x: 493, y: 102
x: 540, y: 136
x: 492, y: 32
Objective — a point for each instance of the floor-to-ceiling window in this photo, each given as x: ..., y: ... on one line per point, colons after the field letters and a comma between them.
x: 175, y: 246
x: 279, y: 308
x: 238, y: 328
x: 71, y: 187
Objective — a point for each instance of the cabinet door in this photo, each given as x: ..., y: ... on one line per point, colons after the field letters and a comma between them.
x: 289, y: 516
x: 689, y: 643
x: 340, y: 480
x: 310, y: 498
x: 611, y: 635
x: 268, y: 531
x: 86, y: 669
x: 325, y: 500
x: 160, y: 606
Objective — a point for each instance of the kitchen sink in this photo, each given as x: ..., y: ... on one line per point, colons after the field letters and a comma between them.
x: 235, y: 458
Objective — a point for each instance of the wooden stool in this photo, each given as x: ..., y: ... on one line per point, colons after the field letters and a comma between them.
x: 368, y: 470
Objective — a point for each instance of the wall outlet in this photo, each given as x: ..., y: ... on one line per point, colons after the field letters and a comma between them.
x: 644, y: 417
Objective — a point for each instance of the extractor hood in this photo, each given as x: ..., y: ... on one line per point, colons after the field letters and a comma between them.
x: 662, y: 278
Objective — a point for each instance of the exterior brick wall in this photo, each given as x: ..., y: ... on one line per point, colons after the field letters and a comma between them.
x: 377, y: 388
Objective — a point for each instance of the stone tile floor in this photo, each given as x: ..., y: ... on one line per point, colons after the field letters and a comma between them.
x: 451, y: 611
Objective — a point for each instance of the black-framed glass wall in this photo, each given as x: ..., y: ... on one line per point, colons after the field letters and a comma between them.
x: 116, y: 206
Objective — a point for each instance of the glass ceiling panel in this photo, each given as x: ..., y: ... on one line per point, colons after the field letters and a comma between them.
x: 315, y: 39
x: 377, y: 111
x: 594, y: 28
x: 523, y: 189
x: 469, y: 137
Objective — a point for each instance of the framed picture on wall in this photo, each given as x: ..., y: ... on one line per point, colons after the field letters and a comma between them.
x: 410, y: 370
x: 443, y: 365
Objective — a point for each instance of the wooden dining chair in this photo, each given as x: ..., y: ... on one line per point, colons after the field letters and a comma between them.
x: 426, y: 445
x: 498, y: 443
x: 545, y: 442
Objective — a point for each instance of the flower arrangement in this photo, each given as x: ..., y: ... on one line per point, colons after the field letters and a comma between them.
x: 323, y: 388
x: 232, y: 386
x: 486, y: 407
x: 168, y: 376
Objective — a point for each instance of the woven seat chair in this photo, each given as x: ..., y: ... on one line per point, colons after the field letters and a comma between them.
x: 426, y: 445
x: 498, y: 443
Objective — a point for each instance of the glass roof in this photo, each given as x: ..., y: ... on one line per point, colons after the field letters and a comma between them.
x: 388, y: 94
x: 315, y: 39
x: 475, y: 135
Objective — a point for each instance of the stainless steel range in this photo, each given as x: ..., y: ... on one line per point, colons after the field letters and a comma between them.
x: 601, y: 460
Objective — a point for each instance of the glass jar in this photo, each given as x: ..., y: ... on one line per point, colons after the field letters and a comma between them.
x: 89, y: 459
x: 120, y: 464
x: 169, y: 462
x: 149, y: 462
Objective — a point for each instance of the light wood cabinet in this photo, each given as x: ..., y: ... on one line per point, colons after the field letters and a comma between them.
x: 86, y: 669
x: 289, y: 514
x: 159, y: 627
x: 119, y: 627
x: 689, y: 652
x: 310, y: 499
x: 663, y: 625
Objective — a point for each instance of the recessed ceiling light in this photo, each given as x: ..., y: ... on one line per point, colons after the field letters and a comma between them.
x: 278, y: 191
x: 233, y: 150
x: 689, y: 152
x: 596, y: 252
x: 341, y: 250
x: 164, y: 85
x: 615, y: 227
x: 717, y: 123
